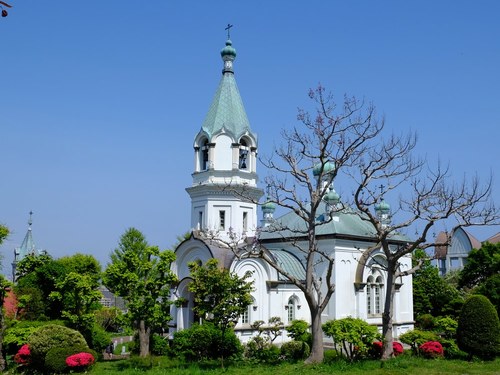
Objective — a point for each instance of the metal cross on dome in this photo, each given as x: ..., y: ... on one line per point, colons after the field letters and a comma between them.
x: 228, y: 28
x: 4, y: 4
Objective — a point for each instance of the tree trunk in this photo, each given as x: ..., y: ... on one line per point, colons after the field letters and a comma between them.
x: 387, y: 315
x: 144, y: 333
x: 317, y: 352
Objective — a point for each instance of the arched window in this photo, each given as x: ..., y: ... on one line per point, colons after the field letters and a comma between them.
x: 291, y: 309
x: 374, y: 293
x: 243, y: 161
x: 204, y: 156
x: 245, y: 317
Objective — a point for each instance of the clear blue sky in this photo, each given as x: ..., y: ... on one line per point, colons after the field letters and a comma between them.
x: 100, y: 100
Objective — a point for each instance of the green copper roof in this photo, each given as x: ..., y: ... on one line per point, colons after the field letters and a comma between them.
x: 289, y: 263
x: 227, y: 111
x: 349, y: 223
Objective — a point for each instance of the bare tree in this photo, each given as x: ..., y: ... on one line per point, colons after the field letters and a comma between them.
x: 346, y: 142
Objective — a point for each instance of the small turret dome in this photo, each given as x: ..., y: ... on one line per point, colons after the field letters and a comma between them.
x: 228, y: 50
x: 332, y: 198
x: 268, y: 207
x: 382, y: 208
x: 328, y: 168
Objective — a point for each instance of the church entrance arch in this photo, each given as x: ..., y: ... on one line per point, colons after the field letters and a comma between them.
x: 185, y: 314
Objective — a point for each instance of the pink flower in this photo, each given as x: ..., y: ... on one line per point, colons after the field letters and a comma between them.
x: 378, y: 347
x: 80, y: 360
x: 431, y: 349
x: 22, y: 357
x: 397, y: 348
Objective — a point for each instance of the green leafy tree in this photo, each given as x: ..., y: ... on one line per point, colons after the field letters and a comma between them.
x: 481, y: 264
x: 110, y: 319
x: 481, y: 274
x: 219, y: 295
x: 490, y: 288
x: 80, y: 298
x: 59, y: 288
x: 4, y: 284
x: 141, y: 275
x: 77, y: 291
x: 30, y: 263
x: 478, y: 331
x: 36, y: 280
x: 352, y: 337
x: 432, y: 294
x: 82, y: 264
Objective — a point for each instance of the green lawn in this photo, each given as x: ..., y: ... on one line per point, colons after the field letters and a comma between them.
x: 403, y: 365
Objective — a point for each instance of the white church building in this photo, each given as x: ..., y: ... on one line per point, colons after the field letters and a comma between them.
x: 225, y: 155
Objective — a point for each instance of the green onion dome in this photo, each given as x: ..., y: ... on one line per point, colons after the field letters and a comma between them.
x: 329, y: 167
x: 228, y: 50
x: 383, y: 207
x: 332, y: 198
x: 268, y: 207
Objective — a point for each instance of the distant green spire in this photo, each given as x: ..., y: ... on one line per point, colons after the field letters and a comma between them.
x: 227, y: 111
x: 28, y: 245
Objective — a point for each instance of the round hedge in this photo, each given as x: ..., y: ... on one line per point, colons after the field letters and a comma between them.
x: 478, y: 331
x: 55, y: 360
x: 295, y: 350
x: 52, y: 336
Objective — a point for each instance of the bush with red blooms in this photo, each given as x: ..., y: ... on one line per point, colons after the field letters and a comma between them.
x: 378, y: 347
x: 80, y: 361
x: 431, y: 349
x: 23, y: 356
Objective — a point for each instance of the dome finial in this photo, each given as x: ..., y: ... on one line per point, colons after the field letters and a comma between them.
x: 228, y: 28
x: 228, y: 53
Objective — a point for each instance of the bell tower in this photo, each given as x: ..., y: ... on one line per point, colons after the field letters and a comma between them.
x: 224, y: 191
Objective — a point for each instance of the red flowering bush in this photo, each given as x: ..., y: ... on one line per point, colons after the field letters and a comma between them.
x: 431, y: 349
x: 23, y: 356
x: 378, y: 347
x: 80, y: 360
x: 397, y: 348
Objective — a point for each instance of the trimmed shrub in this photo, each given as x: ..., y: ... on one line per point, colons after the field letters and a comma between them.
x: 478, y: 331
x: 451, y: 350
x: 18, y: 333
x: 426, y: 322
x: 55, y: 360
x: 99, y: 339
x: 295, y: 350
x: 80, y: 361
x: 158, y: 344
x: 446, y: 327
x: 415, y: 338
x: 260, y: 349
x: 205, y: 341
x: 298, y: 330
x: 431, y: 349
x: 52, y: 336
x: 378, y: 347
x: 352, y: 337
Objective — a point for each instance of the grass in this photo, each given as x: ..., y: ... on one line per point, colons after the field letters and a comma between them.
x: 406, y: 365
